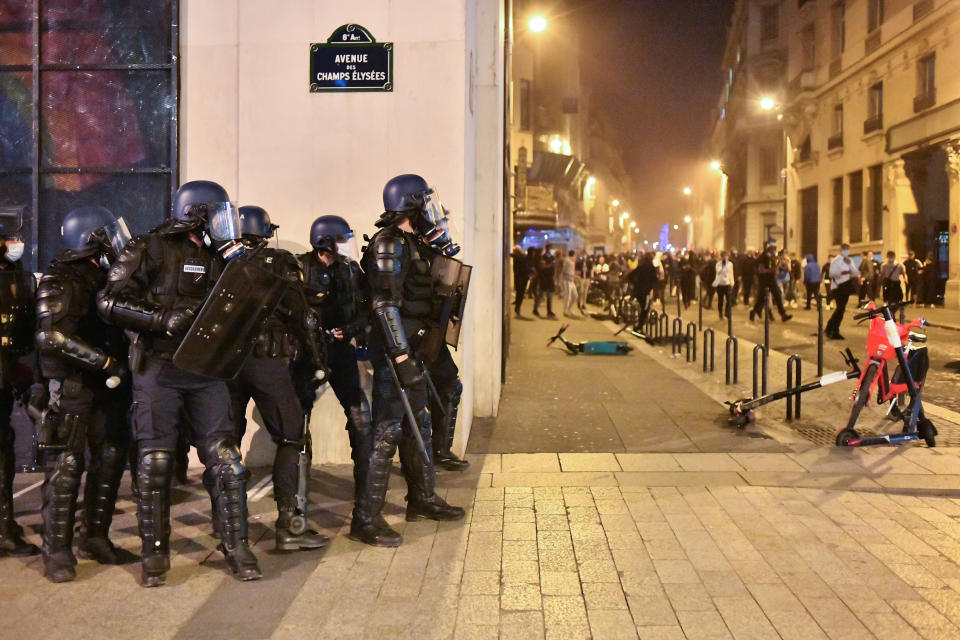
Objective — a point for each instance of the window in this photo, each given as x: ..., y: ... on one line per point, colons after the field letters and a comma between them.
x: 926, y: 83
x: 836, y: 128
x: 769, y: 166
x: 874, y: 119
x: 855, y: 213
x: 838, y: 18
x: 100, y: 124
x: 526, y: 105
x: 769, y: 24
x: 876, y: 202
x: 808, y: 46
x: 837, y: 210
x: 874, y: 15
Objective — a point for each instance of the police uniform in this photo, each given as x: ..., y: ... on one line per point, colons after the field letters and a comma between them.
x: 335, y: 292
x: 16, y: 339
x: 78, y: 351
x: 154, y: 290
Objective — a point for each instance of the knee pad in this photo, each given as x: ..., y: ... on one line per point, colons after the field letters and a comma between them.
x: 457, y: 392
x: 225, y: 452
x: 154, y: 468
x: 110, y: 456
x: 67, y: 470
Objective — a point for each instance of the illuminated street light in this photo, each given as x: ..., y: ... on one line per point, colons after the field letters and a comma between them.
x: 767, y: 103
x: 615, y: 203
x: 687, y: 219
x: 646, y: 242
x: 675, y: 227
x: 633, y: 225
x: 687, y: 191
x: 537, y: 24
x: 715, y: 165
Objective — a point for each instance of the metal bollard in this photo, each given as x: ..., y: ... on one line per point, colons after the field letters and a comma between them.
x: 733, y: 349
x: 664, y: 331
x: 730, y: 300
x: 708, y: 333
x: 679, y: 295
x: 759, y: 361
x: 794, y: 368
x: 766, y: 321
x: 819, y: 334
x: 700, y: 305
x: 903, y: 315
x: 677, y: 333
x: 691, y: 341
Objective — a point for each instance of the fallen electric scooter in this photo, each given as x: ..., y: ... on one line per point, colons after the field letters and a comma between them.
x: 591, y: 348
x: 741, y: 411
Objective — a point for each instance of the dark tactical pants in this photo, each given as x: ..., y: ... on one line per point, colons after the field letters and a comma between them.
x: 443, y: 409
x: 345, y: 382
x: 268, y: 382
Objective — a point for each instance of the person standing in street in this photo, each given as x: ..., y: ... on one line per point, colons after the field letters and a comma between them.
x: 930, y: 273
x: 766, y: 280
x: 568, y: 284
x: 812, y: 277
x: 867, y: 272
x: 843, y: 275
x: 722, y: 282
x: 891, y: 273
x: 746, y: 275
x: 545, y: 284
x: 911, y: 267
x: 521, y: 275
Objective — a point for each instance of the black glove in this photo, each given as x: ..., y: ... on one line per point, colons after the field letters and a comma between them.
x: 177, y: 322
x: 408, y: 372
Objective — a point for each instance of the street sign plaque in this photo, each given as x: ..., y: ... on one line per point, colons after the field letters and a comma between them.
x: 351, y: 60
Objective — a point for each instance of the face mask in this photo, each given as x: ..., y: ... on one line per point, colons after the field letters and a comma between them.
x: 845, y: 253
x: 14, y: 251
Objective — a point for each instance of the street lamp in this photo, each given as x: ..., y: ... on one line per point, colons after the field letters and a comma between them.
x: 615, y: 203
x: 687, y: 191
x: 767, y: 103
x: 687, y: 219
x: 676, y: 227
x: 715, y: 165
x: 537, y: 24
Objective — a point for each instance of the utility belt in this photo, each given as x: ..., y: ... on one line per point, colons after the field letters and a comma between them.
x: 55, y: 430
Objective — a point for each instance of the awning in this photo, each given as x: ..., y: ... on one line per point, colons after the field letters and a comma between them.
x: 555, y: 168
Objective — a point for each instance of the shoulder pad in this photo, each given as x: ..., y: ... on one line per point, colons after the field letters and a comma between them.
x: 53, y: 297
x: 387, y: 253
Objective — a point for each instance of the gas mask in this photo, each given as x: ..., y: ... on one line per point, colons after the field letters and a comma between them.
x: 433, y: 225
x: 222, y: 229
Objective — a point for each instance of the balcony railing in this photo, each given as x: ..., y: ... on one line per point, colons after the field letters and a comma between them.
x: 872, y: 124
x: 835, y: 142
x: 925, y: 101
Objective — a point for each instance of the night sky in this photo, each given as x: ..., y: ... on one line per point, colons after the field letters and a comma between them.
x: 654, y: 66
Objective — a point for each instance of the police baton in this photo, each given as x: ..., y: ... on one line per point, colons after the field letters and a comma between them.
x: 432, y: 387
x: 414, y: 426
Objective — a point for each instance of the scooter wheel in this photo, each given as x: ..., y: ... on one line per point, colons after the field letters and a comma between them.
x: 928, y: 432
x: 845, y: 436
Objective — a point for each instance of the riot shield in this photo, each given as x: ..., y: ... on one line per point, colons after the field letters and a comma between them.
x: 453, y: 282
x: 224, y: 332
x: 17, y: 311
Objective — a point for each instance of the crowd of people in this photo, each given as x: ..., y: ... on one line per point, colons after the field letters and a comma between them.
x: 725, y: 276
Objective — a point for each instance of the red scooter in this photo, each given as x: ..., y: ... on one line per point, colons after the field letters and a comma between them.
x: 907, y: 344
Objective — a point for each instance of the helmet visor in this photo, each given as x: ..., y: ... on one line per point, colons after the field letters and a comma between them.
x: 433, y: 209
x: 223, y: 221
x: 11, y: 221
x: 118, y: 234
x: 347, y: 247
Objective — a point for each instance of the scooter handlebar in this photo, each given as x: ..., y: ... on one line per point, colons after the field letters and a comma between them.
x: 873, y: 313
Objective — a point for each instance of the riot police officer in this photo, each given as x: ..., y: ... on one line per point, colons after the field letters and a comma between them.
x: 154, y: 289
x: 397, y: 268
x: 16, y: 327
x: 332, y: 278
x: 83, y: 359
x: 266, y: 377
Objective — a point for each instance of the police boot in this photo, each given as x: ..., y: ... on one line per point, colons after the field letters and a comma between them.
x: 361, y: 447
x: 154, y: 474
x: 60, y: 490
x: 100, y: 499
x: 417, y: 467
x: 295, y: 534
x: 11, y: 535
x: 368, y: 525
x: 216, y: 521
x: 230, y: 498
x: 442, y: 435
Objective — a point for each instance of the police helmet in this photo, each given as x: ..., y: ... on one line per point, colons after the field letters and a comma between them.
x: 92, y: 230
x: 255, y: 221
x: 203, y: 203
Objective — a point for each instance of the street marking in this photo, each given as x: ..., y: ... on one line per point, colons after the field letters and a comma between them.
x: 30, y: 488
x: 252, y: 490
x: 262, y: 492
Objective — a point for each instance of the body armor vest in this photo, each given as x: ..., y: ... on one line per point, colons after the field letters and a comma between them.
x: 334, y: 290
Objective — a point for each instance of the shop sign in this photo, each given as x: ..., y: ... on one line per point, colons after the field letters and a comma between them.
x: 351, y: 60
